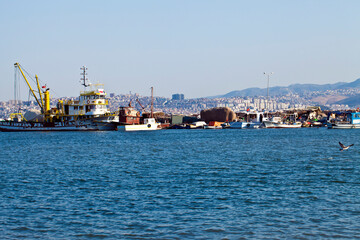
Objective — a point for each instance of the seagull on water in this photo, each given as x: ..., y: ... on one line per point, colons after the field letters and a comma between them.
x: 343, y: 147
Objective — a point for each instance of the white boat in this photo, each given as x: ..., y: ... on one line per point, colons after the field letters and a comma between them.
x: 282, y: 125
x: 271, y: 122
x: 288, y: 125
x: 342, y: 125
x: 199, y: 124
x: 275, y: 122
x: 352, y: 121
x: 149, y: 125
x: 253, y: 120
x: 212, y: 127
x: 242, y: 125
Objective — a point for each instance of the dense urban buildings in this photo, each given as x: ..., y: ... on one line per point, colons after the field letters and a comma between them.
x: 187, y: 106
x: 178, y: 96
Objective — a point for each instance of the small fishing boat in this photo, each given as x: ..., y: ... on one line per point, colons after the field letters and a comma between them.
x: 288, y: 125
x: 198, y: 124
x: 352, y: 120
x: 214, y: 125
x: 276, y: 122
x: 243, y: 125
x: 250, y: 120
x: 130, y: 121
x: 149, y: 125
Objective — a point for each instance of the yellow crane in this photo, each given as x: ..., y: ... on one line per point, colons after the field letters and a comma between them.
x: 44, y: 102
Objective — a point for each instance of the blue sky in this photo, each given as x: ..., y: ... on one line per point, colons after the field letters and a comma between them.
x: 196, y: 47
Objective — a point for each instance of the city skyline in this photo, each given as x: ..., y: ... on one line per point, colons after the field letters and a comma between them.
x: 200, y: 49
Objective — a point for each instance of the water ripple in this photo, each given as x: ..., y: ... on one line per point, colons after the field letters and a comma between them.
x: 227, y: 184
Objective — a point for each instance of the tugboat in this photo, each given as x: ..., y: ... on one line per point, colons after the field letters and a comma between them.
x: 88, y: 113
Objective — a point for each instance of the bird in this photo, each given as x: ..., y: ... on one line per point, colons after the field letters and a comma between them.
x: 343, y: 147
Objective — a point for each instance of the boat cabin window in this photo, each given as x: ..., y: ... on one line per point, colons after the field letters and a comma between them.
x: 66, y: 108
x: 101, y: 107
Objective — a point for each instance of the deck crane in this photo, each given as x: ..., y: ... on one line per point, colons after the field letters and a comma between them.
x: 43, y: 102
x: 152, y: 103
x: 140, y: 104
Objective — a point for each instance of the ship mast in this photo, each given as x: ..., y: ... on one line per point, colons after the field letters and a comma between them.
x: 84, y: 79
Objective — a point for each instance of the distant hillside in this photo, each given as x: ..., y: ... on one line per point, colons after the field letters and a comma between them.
x: 294, y: 88
x: 353, y: 101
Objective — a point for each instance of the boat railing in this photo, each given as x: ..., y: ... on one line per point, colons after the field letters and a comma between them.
x: 342, y: 122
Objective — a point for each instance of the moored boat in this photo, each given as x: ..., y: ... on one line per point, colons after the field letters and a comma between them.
x: 149, y: 125
x: 287, y: 125
x: 275, y: 122
x: 88, y: 113
x: 130, y: 119
x: 214, y: 125
x: 243, y: 125
x: 251, y: 120
x: 351, y: 121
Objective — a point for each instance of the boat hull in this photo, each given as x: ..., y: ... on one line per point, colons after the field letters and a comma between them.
x: 45, y: 129
x: 280, y: 125
x: 13, y: 126
x: 139, y: 127
x: 342, y: 126
x: 243, y: 125
x: 213, y: 127
x: 106, y: 126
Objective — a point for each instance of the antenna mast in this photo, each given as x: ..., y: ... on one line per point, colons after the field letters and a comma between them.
x: 152, y: 101
x: 84, y: 80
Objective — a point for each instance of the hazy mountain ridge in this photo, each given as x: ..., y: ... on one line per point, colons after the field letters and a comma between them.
x: 294, y: 88
x: 351, y: 101
x: 304, y: 90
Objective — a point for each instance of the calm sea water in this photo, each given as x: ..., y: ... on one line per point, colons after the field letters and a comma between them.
x: 180, y: 184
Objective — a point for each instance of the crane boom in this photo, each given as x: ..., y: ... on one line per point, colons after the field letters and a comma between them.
x: 38, y: 86
x: 32, y: 91
x: 140, y: 104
